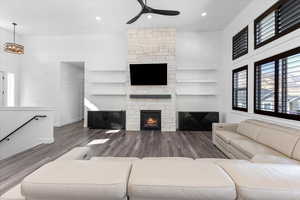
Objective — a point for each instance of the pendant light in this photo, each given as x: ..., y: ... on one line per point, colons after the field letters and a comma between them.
x: 14, y: 47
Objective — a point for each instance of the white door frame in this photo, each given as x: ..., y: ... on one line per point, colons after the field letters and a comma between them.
x: 2, y: 89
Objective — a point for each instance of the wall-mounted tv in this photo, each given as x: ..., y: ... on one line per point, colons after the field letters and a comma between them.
x: 149, y: 74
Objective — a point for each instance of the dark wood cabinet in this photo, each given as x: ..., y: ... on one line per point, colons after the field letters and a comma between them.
x: 197, y: 121
x: 107, y: 120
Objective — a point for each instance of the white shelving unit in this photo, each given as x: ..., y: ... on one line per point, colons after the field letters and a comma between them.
x: 196, y: 69
x: 195, y: 94
x: 109, y: 94
x: 107, y: 82
x: 197, y: 81
x: 108, y: 71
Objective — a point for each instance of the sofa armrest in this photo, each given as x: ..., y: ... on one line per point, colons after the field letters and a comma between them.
x: 263, y: 158
x: 223, y: 126
x: 226, y: 126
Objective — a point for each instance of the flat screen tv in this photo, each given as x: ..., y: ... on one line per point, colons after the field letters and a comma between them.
x: 149, y: 74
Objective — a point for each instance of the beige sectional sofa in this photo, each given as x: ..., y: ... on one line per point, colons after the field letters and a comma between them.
x: 159, y: 179
x: 252, y: 138
x: 273, y: 173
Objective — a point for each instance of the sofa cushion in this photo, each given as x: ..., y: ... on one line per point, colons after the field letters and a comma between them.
x: 273, y: 159
x: 177, y: 180
x: 168, y: 158
x: 77, y: 180
x: 249, y: 128
x: 13, y: 194
x: 296, y: 152
x: 265, y: 181
x: 251, y: 148
x: 282, y: 139
x: 227, y: 136
x: 220, y: 161
x: 116, y: 159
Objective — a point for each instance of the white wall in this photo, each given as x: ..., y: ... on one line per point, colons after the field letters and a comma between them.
x: 246, y: 17
x: 41, y: 66
x: 71, y: 92
x: 10, y: 62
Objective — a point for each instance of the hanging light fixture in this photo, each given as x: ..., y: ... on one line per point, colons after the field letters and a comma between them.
x: 14, y: 47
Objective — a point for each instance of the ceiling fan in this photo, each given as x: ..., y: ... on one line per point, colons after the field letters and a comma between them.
x: 146, y: 9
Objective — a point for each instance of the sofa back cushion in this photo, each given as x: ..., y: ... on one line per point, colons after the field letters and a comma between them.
x: 282, y: 139
x: 248, y: 128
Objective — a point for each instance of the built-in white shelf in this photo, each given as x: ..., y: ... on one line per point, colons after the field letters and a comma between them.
x: 109, y: 94
x: 196, y: 69
x: 108, y: 71
x: 197, y: 81
x: 195, y: 94
x: 108, y: 82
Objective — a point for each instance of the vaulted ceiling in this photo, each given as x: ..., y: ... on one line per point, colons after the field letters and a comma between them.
x: 61, y: 17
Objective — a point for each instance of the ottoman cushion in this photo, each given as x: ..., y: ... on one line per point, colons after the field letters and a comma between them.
x: 78, y: 180
x: 177, y: 180
x: 265, y: 181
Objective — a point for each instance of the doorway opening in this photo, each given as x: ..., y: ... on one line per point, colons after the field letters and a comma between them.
x: 71, y: 100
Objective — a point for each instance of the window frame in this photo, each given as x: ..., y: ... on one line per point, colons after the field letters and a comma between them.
x: 233, y: 42
x: 233, y: 97
x: 275, y: 59
x: 274, y: 8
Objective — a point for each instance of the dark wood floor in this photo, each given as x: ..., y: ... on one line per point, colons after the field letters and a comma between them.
x: 124, y: 144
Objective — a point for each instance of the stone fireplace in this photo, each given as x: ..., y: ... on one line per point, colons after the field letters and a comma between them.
x: 147, y: 46
x: 151, y: 120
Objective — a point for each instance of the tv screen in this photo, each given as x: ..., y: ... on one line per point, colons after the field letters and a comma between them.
x: 149, y: 74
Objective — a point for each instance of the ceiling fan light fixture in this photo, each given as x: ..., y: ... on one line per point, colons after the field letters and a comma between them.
x: 13, y: 47
x: 204, y: 14
x: 149, y: 16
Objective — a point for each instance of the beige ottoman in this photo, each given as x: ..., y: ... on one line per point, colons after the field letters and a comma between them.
x: 13, y: 194
x: 265, y: 181
x: 178, y: 180
x: 78, y: 180
x: 77, y: 153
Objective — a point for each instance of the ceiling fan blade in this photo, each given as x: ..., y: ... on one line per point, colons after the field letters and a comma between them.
x: 165, y: 12
x: 135, y: 18
x: 141, y: 2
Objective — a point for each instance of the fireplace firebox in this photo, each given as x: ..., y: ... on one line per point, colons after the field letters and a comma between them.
x: 151, y: 120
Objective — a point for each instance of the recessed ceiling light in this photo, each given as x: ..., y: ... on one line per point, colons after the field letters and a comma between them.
x: 98, y: 18
x: 149, y: 16
x: 204, y: 14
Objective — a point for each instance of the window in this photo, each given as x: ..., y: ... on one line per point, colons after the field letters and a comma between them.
x: 277, y: 85
x: 240, y: 44
x: 240, y: 89
x: 282, y: 18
